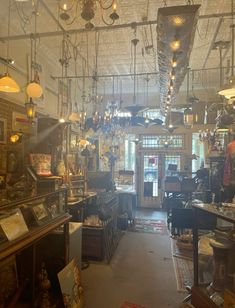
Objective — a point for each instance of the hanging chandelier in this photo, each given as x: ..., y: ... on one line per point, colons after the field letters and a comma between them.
x: 69, y: 12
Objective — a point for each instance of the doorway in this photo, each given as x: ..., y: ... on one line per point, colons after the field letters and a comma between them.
x: 153, y: 169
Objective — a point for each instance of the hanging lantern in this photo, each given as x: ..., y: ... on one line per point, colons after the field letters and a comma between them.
x: 188, y: 117
x: 30, y: 109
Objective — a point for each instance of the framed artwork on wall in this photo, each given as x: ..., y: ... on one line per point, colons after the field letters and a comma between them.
x: 3, y: 131
x: 20, y: 123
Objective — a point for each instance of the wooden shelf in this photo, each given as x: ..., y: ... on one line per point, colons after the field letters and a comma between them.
x: 9, y: 248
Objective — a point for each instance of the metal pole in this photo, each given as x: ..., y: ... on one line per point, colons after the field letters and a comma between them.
x: 232, y: 37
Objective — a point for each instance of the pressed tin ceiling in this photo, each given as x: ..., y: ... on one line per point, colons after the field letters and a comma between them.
x: 114, y: 52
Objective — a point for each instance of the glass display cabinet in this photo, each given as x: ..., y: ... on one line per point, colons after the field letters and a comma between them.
x: 214, y: 255
x: 30, y: 256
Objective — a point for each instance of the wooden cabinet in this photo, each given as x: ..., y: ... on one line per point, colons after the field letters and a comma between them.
x: 24, y: 254
x: 214, y: 251
x: 100, y: 241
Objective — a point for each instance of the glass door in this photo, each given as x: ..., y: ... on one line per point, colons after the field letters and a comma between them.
x: 154, y: 168
x: 150, y: 193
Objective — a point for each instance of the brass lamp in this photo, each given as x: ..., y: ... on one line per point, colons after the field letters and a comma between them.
x: 30, y: 109
x: 7, y: 83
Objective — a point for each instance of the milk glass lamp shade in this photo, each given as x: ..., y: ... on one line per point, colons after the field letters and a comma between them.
x: 7, y: 84
x: 34, y: 90
x: 229, y: 89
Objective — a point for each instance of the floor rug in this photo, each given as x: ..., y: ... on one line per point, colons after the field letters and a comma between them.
x: 183, y: 272
x: 180, y: 252
x: 130, y: 305
x: 149, y: 226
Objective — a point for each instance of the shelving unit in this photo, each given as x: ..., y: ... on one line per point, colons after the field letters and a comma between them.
x: 30, y: 250
x: 214, y: 250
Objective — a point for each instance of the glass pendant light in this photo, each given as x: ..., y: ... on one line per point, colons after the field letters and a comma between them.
x: 7, y: 83
x: 228, y: 90
x: 34, y: 88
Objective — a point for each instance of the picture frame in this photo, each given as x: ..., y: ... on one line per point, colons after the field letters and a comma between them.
x: 13, y: 225
x: 3, y: 131
x: 20, y: 123
x: 40, y: 213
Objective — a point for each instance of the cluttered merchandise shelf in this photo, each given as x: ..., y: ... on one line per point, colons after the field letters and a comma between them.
x: 214, y: 251
x: 28, y: 269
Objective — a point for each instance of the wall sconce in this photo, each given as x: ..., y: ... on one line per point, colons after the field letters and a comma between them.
x: 16, y: 137
x: 30, y: 109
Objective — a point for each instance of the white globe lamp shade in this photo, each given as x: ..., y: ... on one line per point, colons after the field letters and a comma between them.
x: 34, y: 90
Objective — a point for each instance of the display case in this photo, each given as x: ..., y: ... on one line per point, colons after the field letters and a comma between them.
x: 29, y: 255
x: 214, y: 252
x: 77, y: 187
x: 100, y: 234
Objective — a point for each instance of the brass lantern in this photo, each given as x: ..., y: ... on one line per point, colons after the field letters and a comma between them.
x: 30, y: 109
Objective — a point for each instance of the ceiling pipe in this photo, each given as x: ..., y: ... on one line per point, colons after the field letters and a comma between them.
x: 103, y: 76
x: 102, y: 28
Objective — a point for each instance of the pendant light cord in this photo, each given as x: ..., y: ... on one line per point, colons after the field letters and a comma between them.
x: 8, y: 34
x: 232, y: 36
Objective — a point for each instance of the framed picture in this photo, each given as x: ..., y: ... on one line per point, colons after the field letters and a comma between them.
x: 41, y: 163
x: 3, y: 131
x: 70, y: 285
x: 14, y: 225
x: 20, y: 123
x: 2, y: 181
x: 40, y: 213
